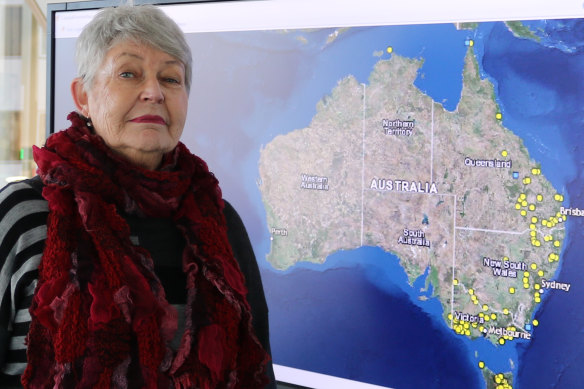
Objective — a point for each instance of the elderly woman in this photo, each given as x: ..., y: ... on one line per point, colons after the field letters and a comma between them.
x: 136, y: 272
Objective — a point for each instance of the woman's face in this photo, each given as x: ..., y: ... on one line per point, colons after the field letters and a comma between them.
x: 137, y: 102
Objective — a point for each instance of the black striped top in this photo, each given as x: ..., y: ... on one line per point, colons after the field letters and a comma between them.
x: 23, y: 216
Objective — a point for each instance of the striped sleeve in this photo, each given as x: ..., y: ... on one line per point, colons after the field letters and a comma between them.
x: 23, y: 217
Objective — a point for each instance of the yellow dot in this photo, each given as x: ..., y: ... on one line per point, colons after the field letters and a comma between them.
x: 527, y: 180
x: 540, y: 273
x: 533, y: 266
x: 532, y: 233
x: 501, y: 341
x: 526, y: 286
x: 455, y: 282
x: 487, y: 318
x: 504, y: 153
x: 533, y: 220
x: 470, y: 42
x: 557, y: 197
x: 535, y: 322
x: 505, y: 311
x: 505, y: 258
x: 493, y: 316
x: 525, y: 280
x: 544, y: 223
x: 485, y: 307
x: 537, y: 300
x: 499, y: 116
x: 481, y: 364
x: 523, y: 212
x: 557, y: 243
x: 389, y: 49
x: 536, y: 286
x: 522, y: 196
x: 532, y: 207
x: 537, y: 243
x: 539, y: 198
x: 471, y: 291
x: 525, y: 274
x: 524, y: 203
x: 532, y: 226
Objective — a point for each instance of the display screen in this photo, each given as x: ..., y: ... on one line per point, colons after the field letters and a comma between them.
x: 411, y: 178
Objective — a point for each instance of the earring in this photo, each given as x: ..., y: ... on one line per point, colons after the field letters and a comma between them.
x: 89, y: 123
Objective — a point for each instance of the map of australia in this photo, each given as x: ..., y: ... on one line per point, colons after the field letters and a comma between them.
x: 451, y: 193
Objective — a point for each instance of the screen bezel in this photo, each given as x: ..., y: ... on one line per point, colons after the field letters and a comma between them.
x: 54, y: 8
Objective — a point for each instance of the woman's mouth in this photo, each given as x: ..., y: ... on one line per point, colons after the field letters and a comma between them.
x: 155, y: 119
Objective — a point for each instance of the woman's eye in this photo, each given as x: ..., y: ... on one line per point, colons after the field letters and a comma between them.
x: 127, y: 75
x: 171, y: 80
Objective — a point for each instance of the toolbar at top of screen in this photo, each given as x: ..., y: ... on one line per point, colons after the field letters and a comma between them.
x: 286, y: 14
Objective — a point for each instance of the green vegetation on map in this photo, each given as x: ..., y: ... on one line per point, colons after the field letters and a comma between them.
x: 468, y: 26
x: 520, y: 30
x: 384, y: 165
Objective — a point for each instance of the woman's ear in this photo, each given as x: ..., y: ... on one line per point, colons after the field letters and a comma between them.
x: 80, y: 96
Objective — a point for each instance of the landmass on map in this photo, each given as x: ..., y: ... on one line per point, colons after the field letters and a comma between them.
x: 384, y: 165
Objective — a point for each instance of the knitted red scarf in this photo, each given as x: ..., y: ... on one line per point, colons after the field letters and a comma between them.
x: 99, y: 316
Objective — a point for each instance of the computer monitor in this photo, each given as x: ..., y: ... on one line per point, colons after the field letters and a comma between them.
x: 410, y: 175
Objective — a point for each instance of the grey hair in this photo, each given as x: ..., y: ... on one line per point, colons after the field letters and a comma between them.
x: 145, y: 24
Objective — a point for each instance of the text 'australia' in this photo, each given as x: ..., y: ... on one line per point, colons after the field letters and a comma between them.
x: 403, y: 186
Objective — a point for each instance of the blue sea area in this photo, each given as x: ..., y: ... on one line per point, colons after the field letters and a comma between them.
x: 356, y: 317
x: 540, y: 87
x: 540, y: 90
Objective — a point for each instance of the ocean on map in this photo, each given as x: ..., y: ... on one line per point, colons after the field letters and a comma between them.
x: 338, y: 318
x: 341, y: 313
x: 543, y: 104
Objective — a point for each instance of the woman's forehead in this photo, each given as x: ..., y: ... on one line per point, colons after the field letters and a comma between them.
x: 133, y: 49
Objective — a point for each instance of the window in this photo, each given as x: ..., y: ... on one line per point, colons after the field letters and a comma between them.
x: 22, y: 88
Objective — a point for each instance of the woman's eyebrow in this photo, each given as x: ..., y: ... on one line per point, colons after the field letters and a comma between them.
x: 125, y: 53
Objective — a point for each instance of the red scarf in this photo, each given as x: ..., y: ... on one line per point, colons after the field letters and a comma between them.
x: 99, y: 316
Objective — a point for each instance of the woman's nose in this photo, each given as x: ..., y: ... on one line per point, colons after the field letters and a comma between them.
x: 152, y: 91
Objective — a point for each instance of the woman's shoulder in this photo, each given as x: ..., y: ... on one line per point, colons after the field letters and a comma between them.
x: 20, y: 201
x: 31, y: 188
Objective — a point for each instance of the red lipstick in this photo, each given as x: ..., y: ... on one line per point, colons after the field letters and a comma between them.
x: 155, y: 119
